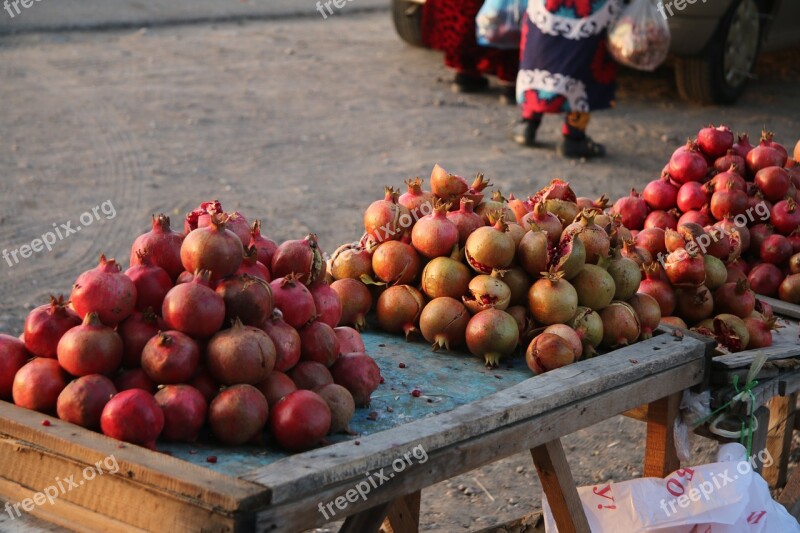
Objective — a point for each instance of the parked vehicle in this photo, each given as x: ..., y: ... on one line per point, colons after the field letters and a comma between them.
x: 715, y: 44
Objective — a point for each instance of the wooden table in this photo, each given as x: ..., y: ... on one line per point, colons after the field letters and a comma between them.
x: 482, y: 420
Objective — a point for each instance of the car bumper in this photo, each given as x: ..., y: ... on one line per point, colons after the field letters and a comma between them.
x: 692, y: 25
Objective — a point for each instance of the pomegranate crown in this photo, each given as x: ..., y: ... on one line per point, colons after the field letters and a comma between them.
x: 414, y: 185
x: 108, y: 265
x: 479, y: 183
x: 255, y: 229
x: 496, y: 220
x: 390, y: 194
x: 161, y: 221
x: 467, y: 205
x: 441, y: 207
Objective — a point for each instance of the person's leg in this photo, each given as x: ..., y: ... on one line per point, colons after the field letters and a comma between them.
x: 576, y: 143
x: 525, y: 130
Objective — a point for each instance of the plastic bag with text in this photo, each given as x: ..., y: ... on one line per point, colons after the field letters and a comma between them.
x: 722, y: 497
x: 499, y: 23
x: 640, y: 37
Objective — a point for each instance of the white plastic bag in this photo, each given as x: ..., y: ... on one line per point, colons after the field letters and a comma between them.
x: 640, y: 37
x: 499, y: 23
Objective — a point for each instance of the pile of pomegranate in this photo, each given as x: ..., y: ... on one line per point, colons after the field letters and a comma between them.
x: 463, y: 269
x: 221, y: 329
x: 719, y: 226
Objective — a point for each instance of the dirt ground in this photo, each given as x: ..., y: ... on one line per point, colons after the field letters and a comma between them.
x: 302, y: 122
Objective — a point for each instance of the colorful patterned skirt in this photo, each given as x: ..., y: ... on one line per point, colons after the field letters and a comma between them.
x: 449, y: 25
x: 565, y: 66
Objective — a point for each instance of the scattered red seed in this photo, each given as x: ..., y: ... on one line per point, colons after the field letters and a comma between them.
x: 416, y: 393
x: 634, y: 361
x: 357, y: 443
x: 120, y: 445
x: 402, y: 365
x: 46, y: 423
x: 382, y: 380
x: 211, y: 459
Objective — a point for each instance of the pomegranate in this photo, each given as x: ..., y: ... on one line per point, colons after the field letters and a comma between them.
x: 185, y: 411
x: 621, y: 325
x: 519, y: 207
x: 38, y: 384
x: 341, y: 404
x: 728, y: 179
x: 569, y: 335
x: 742, y: 145
x: 728, y: 203
x: 396, y: 262
x: 359, y: 374
x: 133, y: 416
x: 728, y: 226
x: 568, y: 257
x: 356, y: 302
x: 794, y: 264
x: 418, y: 202
x: 632, y: 209
x: 350, y: 261
x: 213, y: 248
x: 162, y: 245
x: 445, y: 276
x: 595, y: 288
x: 687, y: 164
x: 91, y: 348
x: 731, y: 332
x: 626, y: 275
x: 492, y: 334
x: 238, y: 414
x: 595, y: 239
x: 45, y: 325
x: 765, y: 278
x: 637, y: 254
x: 170, y: 357
x: 236, y: 223
x: 760, y: 331
x: 713, y: 141
x: 789, y: 290
x: 105, y: 291
x: 773, y: 182
x: 294, y: 300
x: 652, y: 240
x: 475, y: 191
x: 13, y: 356
x: 327, y: 303
x: 398, y: 310
x: 443, y: 323
x: 548, y: 351
x: 310, y: 375
x: 661, y: 219
x: 265, y: 248
x: 520, y: 315
x: 349, y: 340
x: 785, y: 216
x: 648, y: 311
x: 660, y: 194
x: 135, y: 378
x: 205, y: 384
x: 152, y: 282
x: 794, y: 240
x: 701, y: 217
x: 239, y: 355
x: 764, y: 155
x: 300, y: 257
x: 435, y: 235
x: 387, y: 220
x: 466, y: 220
x: 541, y: 220
x: 194, y: 308
x: 552, y: 299
x: 486, y: 292
x: 82, y: 400
x: 286, y: 341
x: 674, y: 321
x: 518, y: 283
x: 318, y: 342
x: 276, y: 386
x: 533, y: 253
x: 735, y: 298
x: 589, y: 327
x: 204, y: 210
x: 724, y: 162
x: 135, y: 331
x: 685, y: 269
x: 252, y: 266
x: 447, y: 186
x: 694, y: 304
x: 758, y: 234
x: 300, y: 420
x: 489, y: 248
x: 716, y: 272
x: 655, y: 286
x: 776, y: 249
x: 247, y: 298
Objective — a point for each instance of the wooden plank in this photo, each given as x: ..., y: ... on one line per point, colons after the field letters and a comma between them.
x: 448, y: 461
x: 661, y: 458
x: 637, y: 413
x: 779, y: 438
x: 296, y: 476
x: 725, y: 377
x: 745, y: 358
x: 559, y: 487
x: 403, y: 515
x: 790, y: 495
x: 760, y: 435
x: 780, y: 307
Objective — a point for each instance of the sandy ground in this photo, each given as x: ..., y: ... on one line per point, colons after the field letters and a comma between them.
x: 302, y: 122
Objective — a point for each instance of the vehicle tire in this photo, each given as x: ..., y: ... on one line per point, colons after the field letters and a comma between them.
x: 407, y: 17
x: 720, y: 74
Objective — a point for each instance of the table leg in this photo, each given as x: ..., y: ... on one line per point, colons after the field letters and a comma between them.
x: 403, y: 516
x: 660, y: 456
x: 367, y: 521
x: 760, y: 436
x: 557, y: 483
x: 779, y: 438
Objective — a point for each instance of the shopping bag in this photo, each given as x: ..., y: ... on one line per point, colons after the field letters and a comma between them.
x: 499, y: 22
x: 640, y: 37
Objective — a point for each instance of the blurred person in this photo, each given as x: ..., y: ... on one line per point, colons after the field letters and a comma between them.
x: 449, y: 25
x: 565, y: 68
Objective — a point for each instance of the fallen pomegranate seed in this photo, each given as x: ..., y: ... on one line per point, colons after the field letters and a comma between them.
x: 211, y: 459
x: 634, y: 361
x: 498, y: 376
x: 45, y: 423
x: 402, y: 365
x: 373, y: 415
x: 416, y: 393
x: 120, y: 446
x: 382, y: 381
x: 358, y: 443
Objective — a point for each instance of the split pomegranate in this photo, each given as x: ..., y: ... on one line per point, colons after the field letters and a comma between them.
x: 568, y: 257
x: 105, y: 291
x: 548, y: 351
x: 552, y: 299
x: 398, y: 310
x: 302, y: 257
x: 135, y: 331
x: 45, y: 325
x: 435, y: 235
x: 133, y: 416
x: 82, y: 400
x: 152, y: 282
x: 356, y: 302
x: 350, y: 261
x: 238, y: 414
x: 443, y: 323
x: 387, y: 220
x: 294, y: 300
x: 685, y: 269
x: 185, y: 411
x: 396, y: 262
x: 341, y: 404
x: 240, y: 355
x: 589, y: 327
x: 300, y: 420
x: 359, y: 374
x: 13, y: 356
x: 286, y: 341
x: 91, y: 348
x: 276, y: 386
x: 310, y: 375
x: 492, y: 334
x: 162, y: 245
x: 632, y: 209
x: 466, y: 220
x: 731, y: 332
x: 265, y: 248
x: 194, y: 308
x: 170, y: 357
x: 205, y: 210
x: 486, y: 292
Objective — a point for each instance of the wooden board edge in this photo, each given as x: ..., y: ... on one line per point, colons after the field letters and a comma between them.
x: 780, y: 307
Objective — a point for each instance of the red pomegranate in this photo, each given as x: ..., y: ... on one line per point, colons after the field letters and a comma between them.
x: 246, y: 298
x: 162, y: 245
x: 293, y: 299
x: 133, y: 416
x: 105, y: 291
x: 45, y: 325
x: 715, y: 142
x: 276, y: 386
x: 356, y: 301
x: 185, y: 411
x: 358, y: 373
x: 300, y: 420
x: 327, y: 303
x: 152, y: 282
x: 82, y: 400
x: 170, y: 357
x: 135, y: 331
x: 240, y: 355
x: 91, y: 348
x: 687, y: 164
x: 318, y: 342
x: 660, y: 194
x: 387, y: 220
x: 238, y: 414
x: 632, y: 210
x: 214, y: 248
x: 466, y: 220
x: 302, y: 257
x: 194, y: 308
x: 435, y: 235
x: 265, y: 248
x: 13, y: 356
